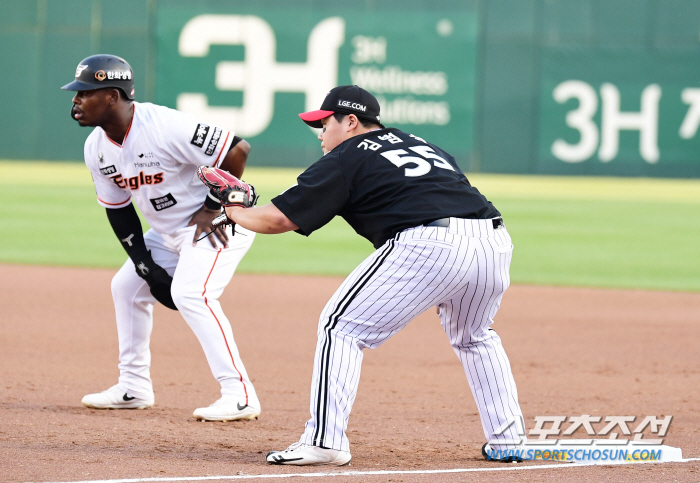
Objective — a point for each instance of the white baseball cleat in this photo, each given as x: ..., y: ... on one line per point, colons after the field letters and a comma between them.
x: 228, y: 408
x: 303, y: 454
x: 115, y: 398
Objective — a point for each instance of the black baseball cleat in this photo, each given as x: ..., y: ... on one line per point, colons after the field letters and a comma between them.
x: 502, y: 456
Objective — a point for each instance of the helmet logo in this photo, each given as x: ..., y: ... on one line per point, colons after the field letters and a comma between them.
x: 79, y: 70
x: 100, y: 75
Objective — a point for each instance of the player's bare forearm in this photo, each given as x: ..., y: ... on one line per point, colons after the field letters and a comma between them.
x: 235, y: 160
x: 267, y: 219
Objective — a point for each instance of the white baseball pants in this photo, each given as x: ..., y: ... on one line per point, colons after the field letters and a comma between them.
x: 200, y: 275
x: 464, y: 270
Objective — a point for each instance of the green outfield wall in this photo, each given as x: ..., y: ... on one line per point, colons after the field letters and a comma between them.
x: 580, y: 87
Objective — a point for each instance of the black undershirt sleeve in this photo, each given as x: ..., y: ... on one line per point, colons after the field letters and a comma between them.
x: 235, y: 141
x: 127, y: 226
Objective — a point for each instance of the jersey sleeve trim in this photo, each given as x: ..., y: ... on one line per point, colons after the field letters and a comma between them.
x: 121, y: 204
x: 223, y: 148
x: 287, y: 211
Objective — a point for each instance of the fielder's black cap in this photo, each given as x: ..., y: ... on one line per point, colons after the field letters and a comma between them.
x: 100, y: 71
x: 345, y: 100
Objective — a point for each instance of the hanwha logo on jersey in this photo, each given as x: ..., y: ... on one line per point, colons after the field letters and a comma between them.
x: 79, y: 70
x: 236, y: 197
x: 100, y: 75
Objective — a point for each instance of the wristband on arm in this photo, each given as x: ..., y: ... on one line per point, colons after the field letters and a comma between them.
x: 212, y: 202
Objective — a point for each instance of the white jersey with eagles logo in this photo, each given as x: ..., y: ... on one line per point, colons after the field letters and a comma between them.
x: 156, y: 165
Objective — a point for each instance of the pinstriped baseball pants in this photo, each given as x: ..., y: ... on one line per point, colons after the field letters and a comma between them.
x: 464, y: 270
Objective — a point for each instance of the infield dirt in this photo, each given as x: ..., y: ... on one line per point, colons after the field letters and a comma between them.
x: 573, y: 352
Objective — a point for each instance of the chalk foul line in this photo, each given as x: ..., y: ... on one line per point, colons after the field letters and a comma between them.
x: 514, y: 467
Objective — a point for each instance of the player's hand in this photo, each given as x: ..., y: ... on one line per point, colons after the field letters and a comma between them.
x: 202, y: 219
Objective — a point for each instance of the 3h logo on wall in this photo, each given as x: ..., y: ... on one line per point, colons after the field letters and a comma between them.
x: 613, y: 120
x: 259, y: 76
x: 546, y: 426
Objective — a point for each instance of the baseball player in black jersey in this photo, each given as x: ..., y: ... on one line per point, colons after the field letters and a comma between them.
x: 438, y: 242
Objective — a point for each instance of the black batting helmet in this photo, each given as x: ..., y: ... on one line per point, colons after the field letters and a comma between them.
x: 103, y: 70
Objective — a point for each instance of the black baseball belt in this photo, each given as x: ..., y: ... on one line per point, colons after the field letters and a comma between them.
x: 445, y: 222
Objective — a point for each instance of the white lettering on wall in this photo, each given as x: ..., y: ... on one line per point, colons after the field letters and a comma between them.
x: 368, y: 49
x: 691, y: 122
x: 613, y: 120
x: 580, y: 119
x: 259, y: 75
x: 394, y: 80
x: 407, y: 110
x: 646, y: 121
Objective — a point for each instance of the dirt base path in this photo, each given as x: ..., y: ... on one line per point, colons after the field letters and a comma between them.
x: 573, y: 352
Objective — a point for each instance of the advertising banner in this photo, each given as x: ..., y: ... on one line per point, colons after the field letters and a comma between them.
x: 620, y: 113
x: 253, y: 67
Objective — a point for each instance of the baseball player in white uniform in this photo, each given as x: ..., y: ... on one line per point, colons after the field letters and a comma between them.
x: 439, y: 242
x: 149, y: 154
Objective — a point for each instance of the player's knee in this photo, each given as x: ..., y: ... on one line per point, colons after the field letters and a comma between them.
x: 180, y: 295
x: 124, y: 285
x: 184, y: 296
x: 476, y: 341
